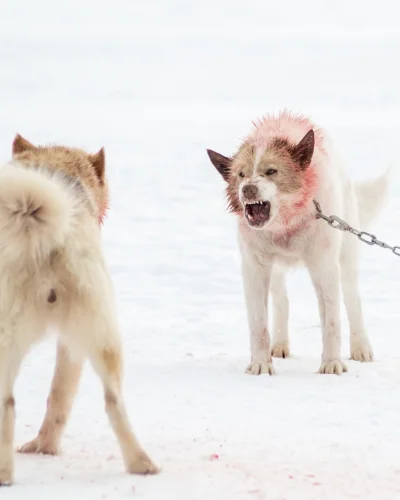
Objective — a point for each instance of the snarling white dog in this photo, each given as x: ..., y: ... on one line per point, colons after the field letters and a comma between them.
x: 280, y: 168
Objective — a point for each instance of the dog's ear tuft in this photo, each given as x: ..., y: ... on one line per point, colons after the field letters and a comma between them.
x: 303, y: 152
x: 98, y: 161
x: 20, y: 145
x: 221, y: 163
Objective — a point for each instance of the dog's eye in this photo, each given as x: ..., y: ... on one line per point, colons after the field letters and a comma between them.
x: 241, y: 174
x: 271, y: 171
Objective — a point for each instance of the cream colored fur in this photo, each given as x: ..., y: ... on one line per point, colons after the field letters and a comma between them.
x: 50, y: 248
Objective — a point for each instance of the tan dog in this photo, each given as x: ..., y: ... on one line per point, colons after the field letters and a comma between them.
x: 53, y: 274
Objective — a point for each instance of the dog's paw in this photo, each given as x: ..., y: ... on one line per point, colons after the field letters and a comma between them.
x: 280, y: 351
x: 260, y: 367
x: 40, y: 446
x: 142, y: 464
x: 334, y: 367
x: 6, y: 476
x: 361, y: 352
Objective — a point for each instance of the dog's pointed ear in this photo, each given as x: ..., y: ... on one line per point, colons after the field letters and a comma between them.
x: 20, y: 145
x: 98, y: 161
x: 303, y: 152
x: 221, y: 163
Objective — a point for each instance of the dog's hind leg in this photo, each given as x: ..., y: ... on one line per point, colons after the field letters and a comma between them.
x: 280, y: 333
x: 107, y: 362
x: 9, y: 366
x: 360, y: 347
x: 63, y: 389
x: 92, y: 327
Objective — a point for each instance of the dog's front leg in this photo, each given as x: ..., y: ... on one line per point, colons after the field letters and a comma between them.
x: 256, y: 279
x: 280, y: 334
x: 325, y: 277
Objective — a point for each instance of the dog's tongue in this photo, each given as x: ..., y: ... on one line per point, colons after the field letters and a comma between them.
x: 260, y: 210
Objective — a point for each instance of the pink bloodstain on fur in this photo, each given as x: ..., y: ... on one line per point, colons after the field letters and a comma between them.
x: 285, y: 126
x: 291, y: 230
x: 103, y: 212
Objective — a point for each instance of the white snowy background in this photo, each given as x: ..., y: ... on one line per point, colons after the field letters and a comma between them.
x: 157, y: 83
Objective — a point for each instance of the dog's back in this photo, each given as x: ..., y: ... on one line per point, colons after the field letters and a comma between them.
x: 49, y: 234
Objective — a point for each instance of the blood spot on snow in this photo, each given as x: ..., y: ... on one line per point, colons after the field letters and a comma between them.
x: 316, y: 483
x: 290, y: 476
x: 214, y: 456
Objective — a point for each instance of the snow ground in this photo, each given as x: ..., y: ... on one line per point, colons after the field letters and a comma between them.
x: 157, y: 82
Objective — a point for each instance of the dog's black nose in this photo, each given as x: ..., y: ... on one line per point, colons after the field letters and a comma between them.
x: 250, y: 191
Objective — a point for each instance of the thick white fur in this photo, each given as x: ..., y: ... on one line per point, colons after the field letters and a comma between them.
x: 330, y: 256
x: 50, y: 240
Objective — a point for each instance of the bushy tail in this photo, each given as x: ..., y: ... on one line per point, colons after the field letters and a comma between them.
x: 371, y: 196
x: 35, y: 213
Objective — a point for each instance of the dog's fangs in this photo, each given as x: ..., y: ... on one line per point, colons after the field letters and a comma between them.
x: 283, y: 164
x: 53, y: 272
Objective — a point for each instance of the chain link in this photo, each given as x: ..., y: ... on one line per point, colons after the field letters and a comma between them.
x: 338, y: 223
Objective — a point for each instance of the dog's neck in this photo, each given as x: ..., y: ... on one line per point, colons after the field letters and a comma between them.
x: 294, y: 229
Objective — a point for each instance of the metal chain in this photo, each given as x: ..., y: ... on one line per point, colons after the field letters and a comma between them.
x: 338, y: 223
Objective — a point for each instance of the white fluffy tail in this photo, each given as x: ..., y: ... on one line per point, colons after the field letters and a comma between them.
x: 371, y: 196
x: 35, y: 213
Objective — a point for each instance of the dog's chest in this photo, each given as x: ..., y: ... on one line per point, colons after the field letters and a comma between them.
x: 285, y: 248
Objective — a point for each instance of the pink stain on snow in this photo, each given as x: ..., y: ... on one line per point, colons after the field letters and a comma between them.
x: 214, y: 456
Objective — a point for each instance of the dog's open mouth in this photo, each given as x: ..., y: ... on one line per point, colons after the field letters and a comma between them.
x: 257, y: 214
